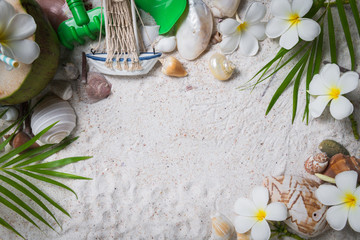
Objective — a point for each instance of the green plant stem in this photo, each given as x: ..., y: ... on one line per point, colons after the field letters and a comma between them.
x: 279, y: 229
x: 354, y: 126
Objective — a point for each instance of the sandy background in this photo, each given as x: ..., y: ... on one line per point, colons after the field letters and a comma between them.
x: 166, y: 150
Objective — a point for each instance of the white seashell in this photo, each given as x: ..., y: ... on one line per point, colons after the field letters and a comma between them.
x: 224, y: 8
x: 166, y: 44
x: 149, y: 34
x: 222, y: 227
x: 62, y: 89
x: 220, y: 67
x: 11, y: 114
x: 317, y: 163
x: 53, y: 109
x: 194, y: 30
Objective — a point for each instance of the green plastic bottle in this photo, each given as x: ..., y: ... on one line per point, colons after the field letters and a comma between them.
x: 78, y: 11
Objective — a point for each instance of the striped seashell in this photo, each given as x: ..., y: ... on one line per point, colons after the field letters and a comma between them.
x: 341, y: 163
x: 316, y: 163
x: 306, y: 213
x: 52, y: 109
x: 222, y: 227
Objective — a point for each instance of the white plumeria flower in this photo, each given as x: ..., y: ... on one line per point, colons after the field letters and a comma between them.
x: 329, y: 86
x: 290, y: 24
x: 255, y: 214
x: 246, y: 34
x: 14, y: 31
x: 344, y: 199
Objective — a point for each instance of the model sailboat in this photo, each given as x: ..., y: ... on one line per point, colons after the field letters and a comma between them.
x: 122, y: 43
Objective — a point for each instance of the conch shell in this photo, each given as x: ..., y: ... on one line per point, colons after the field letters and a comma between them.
x: 220, y: 67
x: 172, y: 67
x: 306, y: 214
x: 316, y: 163
x: 222, y: 227
x: 224, y: 8
x: 53, y: 109
x: 340, y: 163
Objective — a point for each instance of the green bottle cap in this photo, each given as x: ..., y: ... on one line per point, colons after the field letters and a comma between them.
x: 78, y: 11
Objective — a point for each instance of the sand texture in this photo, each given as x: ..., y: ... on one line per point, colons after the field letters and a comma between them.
x: 167, y: 150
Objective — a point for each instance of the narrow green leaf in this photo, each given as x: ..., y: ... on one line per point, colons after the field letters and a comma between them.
x: 287, y: 81
x: 48, y: 180
x: 319, y: 51
x: 47, y: 154
x: 296, y: 89
x: 59, y: 163
x: 346, y: 28
x: 22, y: 204
x: 3, y: 113
x: 29, y: 194
x: 332, y: 41
x: 55, y: 174
x: 317, y: 5
x: 38, y: 191
x: 8, y: 226
x: 356, y: 14
x: 309, y: 76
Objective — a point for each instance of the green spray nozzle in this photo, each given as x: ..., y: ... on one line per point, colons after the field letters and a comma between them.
x: 78, y: 11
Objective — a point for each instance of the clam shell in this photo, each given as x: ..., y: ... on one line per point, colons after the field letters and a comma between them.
x: 316, y: 163
x: 194, y: 30
x: 222, y: 227
x: 224, y: 8
x: 307, y: 216
x: 53, y: 109
x: 341, y: 163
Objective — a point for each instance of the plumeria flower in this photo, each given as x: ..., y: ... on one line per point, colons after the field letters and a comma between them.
x: 329, y: 86
x: 290, y: 24
x: 15, y: 28
x: 246, y: 34
x: 344, y: 199
x: 255, y: 214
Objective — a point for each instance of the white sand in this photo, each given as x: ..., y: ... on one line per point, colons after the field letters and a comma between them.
x: 164, y: 154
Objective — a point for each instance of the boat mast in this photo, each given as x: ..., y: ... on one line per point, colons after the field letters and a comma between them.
x: 136, y: 33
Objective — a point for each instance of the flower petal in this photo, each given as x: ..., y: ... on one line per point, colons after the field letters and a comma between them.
x: 229, y: 43
x: 255, y: 12
x: 21, y: 26
x: 330, y: 73
x: 260, y: 231
x: 245, y: 207
x: 7, y: 11
x: 260, y: 196
x: 329, y: 195
x: 336, y: 216
x: 357, y: 194
x: 244, y: 224
x: 276, y: 211
x: 341, y: 108
x: 290, y: 38
x: 348, y: 82
x: 308, y: 29
x: 249, y: 45
x: 277, y: 27
x: 228, y: 26
x: 301, y: 7
x: 25, y: 51
x: 258, y: 30
x: 354, y: 218
x: 281, y: 8
x: 317, y: 107
x: 317, y: 86
x: 346, y: 181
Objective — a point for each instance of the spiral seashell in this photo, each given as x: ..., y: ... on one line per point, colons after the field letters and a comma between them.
x: 220, y: 67
x: 316, y: 163
x: 11, y: 114
x: 172, y: 67
x: 52, y: 109
x: 222, y: 227
x: 341, y: 163
x: 224, y: 8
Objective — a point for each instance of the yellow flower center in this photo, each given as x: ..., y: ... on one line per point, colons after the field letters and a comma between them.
x: 350, y: 200
x: 334, y: 92
x: 294, y: 18
x: 242, y: 26
x: 260, y: 215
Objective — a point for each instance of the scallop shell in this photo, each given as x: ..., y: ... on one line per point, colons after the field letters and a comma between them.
x: 307, y: 216
x: 220, y: 67
x: 172, y: 67
x: 222, y: 227
x: 224, y: 8
x: 53, y: 109
x: 316, y: 163
x: 194, y: 30
x: 340, y: 163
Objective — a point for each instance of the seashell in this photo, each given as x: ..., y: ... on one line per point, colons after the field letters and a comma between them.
x: 71, y: 71
x: 224, y: 8
x: 11, y: 114
x: 307, y: 216
x: 172, y: 67
x: 222, y: 227
x: 194, y: 30
x: 216, y: 38
x: 341, y: 163
x: 53, y: 109
x: 331, y: 147
x: 243, y: 236
x: 62, y: 89
x: 97, y: 87
x: 149, y: 34
x: 21, y: 138
x: 316, y: 163
x: 166, y: 44
x: 220, y: 67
